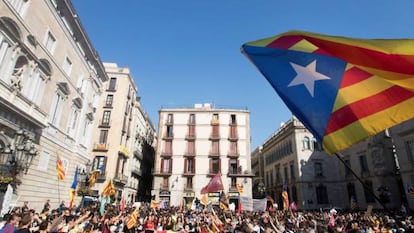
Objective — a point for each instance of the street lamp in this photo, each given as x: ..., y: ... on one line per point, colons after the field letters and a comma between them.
x: 17, y: 155
x: 83, y: 180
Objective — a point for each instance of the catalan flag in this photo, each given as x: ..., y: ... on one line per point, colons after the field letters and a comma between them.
x: 72, y: 191
x: 60, y: 169
x: 342, y: 89
x: 224, y: 202
x: 132, y: 221
x: 285, y: 197
x: 109, y: 189
x: 94, y: 175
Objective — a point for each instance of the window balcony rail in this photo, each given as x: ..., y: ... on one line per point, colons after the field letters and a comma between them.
x: 166, y: 153
x: 189, y: 153
x: 214, y: 153
x: 214, y: 136
x: 233, y: 154
x: 121, y: 178
x: 166, y: 172
x: 136, y: 170
x: 169, y: 136
x: 233, y: 138
x: 101, y: 146
x: 212, y: 172
x: 215, y: 122
x: 105, y: 124
x: 191, y: 136
x: 188, y: 187
x: 189, y: 172
x: 123, y: 151
x: 138, y: 154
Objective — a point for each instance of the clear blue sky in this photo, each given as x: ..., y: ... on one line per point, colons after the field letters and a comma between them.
x: 183, y: 52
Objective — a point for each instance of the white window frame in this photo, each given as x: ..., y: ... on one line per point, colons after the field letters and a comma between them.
x: 50, y: 42
x: 67, y: 65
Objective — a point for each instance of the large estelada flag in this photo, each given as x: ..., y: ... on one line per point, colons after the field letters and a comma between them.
x: 342, y: 89
x: 215, y: 185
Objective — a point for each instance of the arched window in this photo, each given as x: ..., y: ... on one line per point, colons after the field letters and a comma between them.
x: 306, y: 143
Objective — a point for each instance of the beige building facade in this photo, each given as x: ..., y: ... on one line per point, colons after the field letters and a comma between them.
x: 50, y: 82
x: 194, y: 144
x: 122, y: 131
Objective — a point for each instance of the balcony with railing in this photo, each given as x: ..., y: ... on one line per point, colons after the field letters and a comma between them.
x: 104, y: 124
x: 166, y: 153
x: 165, y: 172
x: 124, y: 151
x: 100, y: 146
x: 121, y: 179
x: 233, y: 154
x: 237, y: 172
x: 136, y: 170
x: 138, y: 155
x: 213, y: 171
x: 168, y: 136
x: 188, y: 187
x: 189, y: 171
x: 215, y: 122
x: 190, y: 136
x: 214, y: 153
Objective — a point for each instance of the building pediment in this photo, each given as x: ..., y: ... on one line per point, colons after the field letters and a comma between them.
x: 64, y: 87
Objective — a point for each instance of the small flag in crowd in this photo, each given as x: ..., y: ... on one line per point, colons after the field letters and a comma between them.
x: 94, y: 175
x: 60, y: 169
x: 204, y: 200
x: 285, y: 197
x: 410, y: 190
x: 72, y: 192
x: 224, y: 202
x: 132, y: 221
x: 155, y: 204
x: 109, y: 189
x: 122, y: 204
x: 215, y: 184
x: 342, y: 89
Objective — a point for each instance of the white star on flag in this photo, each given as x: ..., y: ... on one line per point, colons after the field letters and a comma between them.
x: 307, y: 76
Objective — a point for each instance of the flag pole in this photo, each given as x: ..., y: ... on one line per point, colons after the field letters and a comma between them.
x: 340, y: 157
x: 58, y: 191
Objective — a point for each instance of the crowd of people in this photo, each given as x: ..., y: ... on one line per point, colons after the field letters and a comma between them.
x: 198, y: 220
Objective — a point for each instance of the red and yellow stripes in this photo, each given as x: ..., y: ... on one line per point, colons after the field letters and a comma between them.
x: 109, y: 189
x: 60, y: 169
x: 377, y: 88
x: 366, y: 104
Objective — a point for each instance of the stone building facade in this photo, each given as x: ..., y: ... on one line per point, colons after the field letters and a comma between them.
x: 51, y: 79
x: 194, y: 144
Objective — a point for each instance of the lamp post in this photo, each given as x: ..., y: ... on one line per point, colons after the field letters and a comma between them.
x: 83, y: 180
x: 16, y: 156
